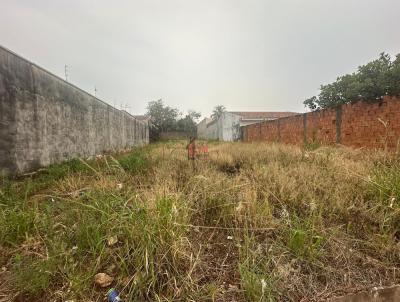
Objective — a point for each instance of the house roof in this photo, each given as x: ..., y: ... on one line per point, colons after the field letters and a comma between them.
x: 205, y: 120
x: 210, y: 122
x: 262, y: 114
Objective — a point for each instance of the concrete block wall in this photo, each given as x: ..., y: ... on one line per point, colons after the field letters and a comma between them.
x: 45, y: 120
x: 211, y: 131
x: 225, y: 128
x: 229, y: 127
x: 175, y: 135
x: 202, y: 128
x: 373, y: 125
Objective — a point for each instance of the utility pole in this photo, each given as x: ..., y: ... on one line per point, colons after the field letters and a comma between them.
x: 126, y: 107
x: 95, y: 91
x: 66, y: 72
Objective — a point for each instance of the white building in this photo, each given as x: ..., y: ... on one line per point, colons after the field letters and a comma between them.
x: 227, y: 127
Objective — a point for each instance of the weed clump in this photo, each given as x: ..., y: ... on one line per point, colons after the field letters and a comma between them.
x: 135, y: 162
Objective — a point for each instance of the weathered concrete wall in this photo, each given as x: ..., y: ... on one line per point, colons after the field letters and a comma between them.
x: 175, y: 135
x: 44, y: 120
x: 229, y: 127
x: 202, y: 128
x: 226, y: 128
x: 212, y: 130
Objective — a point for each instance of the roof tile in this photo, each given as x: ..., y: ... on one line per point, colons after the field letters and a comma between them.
x: 262, y: 114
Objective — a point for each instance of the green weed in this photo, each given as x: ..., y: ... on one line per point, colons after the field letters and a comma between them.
x: 258, y: 279
x: 303, y: 239
x: 16, y: 224
x: 32, y: 276
x: 135, y: 162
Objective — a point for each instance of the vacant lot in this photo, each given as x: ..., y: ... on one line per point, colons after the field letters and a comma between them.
x: 250, y: 222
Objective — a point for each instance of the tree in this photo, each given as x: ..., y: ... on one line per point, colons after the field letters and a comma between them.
x: 162, y: 118
x: 189, y: 122
x: 218, y: 111
x: 370, y: 83
x: 394, y: 77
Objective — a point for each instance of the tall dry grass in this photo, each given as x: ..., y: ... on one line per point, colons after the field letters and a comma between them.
x: 255, y: 222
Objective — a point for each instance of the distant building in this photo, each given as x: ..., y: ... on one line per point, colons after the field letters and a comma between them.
x: 203, y: 129
x: 143, y: 118
x: 227, y: 127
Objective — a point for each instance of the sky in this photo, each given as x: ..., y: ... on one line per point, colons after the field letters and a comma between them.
x: 248, y: 55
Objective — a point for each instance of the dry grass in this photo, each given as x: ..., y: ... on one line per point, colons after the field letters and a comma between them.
x: 251, y: 222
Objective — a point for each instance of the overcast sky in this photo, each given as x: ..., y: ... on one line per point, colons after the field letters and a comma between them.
x: 247, y: 55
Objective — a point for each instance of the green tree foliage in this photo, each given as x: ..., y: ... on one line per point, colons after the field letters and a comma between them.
x: 164, y: 118
x: 217, y: 112
x: 370, y: 83
x: 189, y: 122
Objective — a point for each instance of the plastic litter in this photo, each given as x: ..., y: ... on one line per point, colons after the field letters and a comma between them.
x: 113, y: 295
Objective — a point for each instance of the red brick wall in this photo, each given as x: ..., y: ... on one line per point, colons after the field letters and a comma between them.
x: 270, y: 131
x: 321, y: 126
x: 291, y: 129
x: 363, y: 124
x: 373, y: 125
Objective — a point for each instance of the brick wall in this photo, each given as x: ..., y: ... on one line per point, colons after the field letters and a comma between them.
x: 373, y: 125
x: 321, y: 126
x: 291, y: 129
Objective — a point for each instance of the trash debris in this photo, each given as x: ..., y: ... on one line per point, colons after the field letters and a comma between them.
x: 103, y: 280
x: 229, y: 237
x: 77, y: 193
x: 263, y: 285
x: 112, y: 240
x: 392, y: 200
x: 113, y: 296
x: 285, y: 214
x: 119, y: 186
